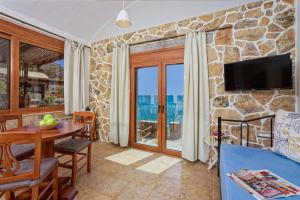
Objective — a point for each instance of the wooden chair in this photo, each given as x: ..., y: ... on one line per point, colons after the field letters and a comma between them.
x: 27, y: 174
x: 75, y: 145
x: 20, y: 151
x: 87, y: 118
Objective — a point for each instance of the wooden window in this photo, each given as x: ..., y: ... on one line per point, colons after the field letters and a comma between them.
x: 41, y: 77
x: 4, y: 72
x: 34, y: 69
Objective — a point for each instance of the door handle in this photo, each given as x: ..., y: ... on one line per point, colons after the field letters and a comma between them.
x: 162, y: 108
x: 158, y: 109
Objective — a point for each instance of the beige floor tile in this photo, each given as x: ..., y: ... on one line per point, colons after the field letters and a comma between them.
x: 86, y: 192
x: 160, y: 196
x: 112, y: 181
x: 114, y: 186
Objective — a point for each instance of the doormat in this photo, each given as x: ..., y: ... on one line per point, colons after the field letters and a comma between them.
x: 159, y: 165
x: 128, y: 157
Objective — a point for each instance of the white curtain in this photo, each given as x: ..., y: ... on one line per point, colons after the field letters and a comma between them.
x: 196, y: 112
x: 297, y: 73
x: 120, y: 96
x: 76, y: 76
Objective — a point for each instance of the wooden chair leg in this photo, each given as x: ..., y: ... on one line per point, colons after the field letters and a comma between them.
x: 74, y: 169
x: 55, y: 183
x: 12, y: 196
x: 35, y: 193
x: 94, y: 136
x: 8, y: 195
x: 89, y: 158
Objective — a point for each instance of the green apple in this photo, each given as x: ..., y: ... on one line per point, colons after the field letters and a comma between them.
x: 51, y: 121
x: 42, y: 123
x: 47, y: 116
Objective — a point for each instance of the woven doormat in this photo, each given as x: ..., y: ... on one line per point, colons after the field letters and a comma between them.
x: 159, y: 165
x: 128, y: 157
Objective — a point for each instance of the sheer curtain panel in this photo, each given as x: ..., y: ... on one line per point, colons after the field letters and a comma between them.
x: 76, y: 76
x: 120, y: 97
x: 196, y: 112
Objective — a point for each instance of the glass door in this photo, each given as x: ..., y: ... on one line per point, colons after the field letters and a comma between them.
x: 174, y: 106
x: 146, y: 122
x: 157, y: 100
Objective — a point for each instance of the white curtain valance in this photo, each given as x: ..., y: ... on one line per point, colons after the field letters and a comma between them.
x: 76, y: 76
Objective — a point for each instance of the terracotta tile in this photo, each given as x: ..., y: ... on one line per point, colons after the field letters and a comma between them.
x: 114, y: 187
x: 170, y: 186
x: 90, y: 194
x: 160, y: 196
x: 109, y: 180
x: 136, y: 190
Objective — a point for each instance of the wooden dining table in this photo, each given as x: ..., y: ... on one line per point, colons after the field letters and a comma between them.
x: 63, y: 130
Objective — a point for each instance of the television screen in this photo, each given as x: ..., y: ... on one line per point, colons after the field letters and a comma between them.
x: 273, y: 72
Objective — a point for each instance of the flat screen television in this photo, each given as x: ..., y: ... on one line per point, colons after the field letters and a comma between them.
x: 273, y: 72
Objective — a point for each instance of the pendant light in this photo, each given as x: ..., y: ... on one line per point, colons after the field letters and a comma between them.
x: 123, y: 20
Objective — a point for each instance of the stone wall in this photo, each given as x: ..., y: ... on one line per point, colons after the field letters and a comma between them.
x: 261, y: 28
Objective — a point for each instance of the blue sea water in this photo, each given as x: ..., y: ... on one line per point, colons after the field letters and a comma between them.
x: 147, y: 108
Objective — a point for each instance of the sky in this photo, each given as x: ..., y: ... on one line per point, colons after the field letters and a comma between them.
x: 148, y: 80
x: 60, y: 62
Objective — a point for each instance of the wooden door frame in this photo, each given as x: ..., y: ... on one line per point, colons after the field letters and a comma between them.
x: 133, y: 68
x: 166, y: 62
x: 159, y: 58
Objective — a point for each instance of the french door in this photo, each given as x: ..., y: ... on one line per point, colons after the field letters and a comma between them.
x: 157, y: 100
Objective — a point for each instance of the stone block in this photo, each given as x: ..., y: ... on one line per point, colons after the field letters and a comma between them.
x: 232, y: 54
x: 224, y: 37
x: 250, y: 34
x: 286, y: 41
x: 247, y: 105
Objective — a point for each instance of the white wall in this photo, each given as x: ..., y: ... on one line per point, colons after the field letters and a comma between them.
x: 146, y: 14
x: 93, y: 20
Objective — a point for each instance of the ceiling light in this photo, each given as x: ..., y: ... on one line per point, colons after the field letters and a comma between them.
x: 123, y: 20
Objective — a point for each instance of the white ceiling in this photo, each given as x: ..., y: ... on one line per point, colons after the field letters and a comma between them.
x: 91, y: 20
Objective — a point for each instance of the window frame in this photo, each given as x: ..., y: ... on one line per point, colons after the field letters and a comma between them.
x: 5, y: 36
x: 17, y: 34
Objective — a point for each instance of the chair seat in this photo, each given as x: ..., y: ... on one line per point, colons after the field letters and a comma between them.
x: 72, y: 145
x: 47, y: 166
x: 22, y: 151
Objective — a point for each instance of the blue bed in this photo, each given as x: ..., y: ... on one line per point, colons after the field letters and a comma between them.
x: 234, y: 158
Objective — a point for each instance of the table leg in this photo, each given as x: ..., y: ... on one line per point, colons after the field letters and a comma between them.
x: 48, y: 149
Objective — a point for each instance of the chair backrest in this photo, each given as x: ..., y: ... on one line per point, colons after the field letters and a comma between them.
x: 6, y: 117
x: 84, y: 117
x: 9, y: 166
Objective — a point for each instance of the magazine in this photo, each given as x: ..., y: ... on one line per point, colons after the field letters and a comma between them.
x: 263, y: 184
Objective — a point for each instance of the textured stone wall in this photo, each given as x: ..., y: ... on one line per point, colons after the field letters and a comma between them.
x: 261, y: 28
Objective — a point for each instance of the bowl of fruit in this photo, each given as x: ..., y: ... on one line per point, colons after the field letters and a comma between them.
x: 48, y: 122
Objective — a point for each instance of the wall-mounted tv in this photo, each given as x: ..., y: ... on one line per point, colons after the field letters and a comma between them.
x: 272, y: 72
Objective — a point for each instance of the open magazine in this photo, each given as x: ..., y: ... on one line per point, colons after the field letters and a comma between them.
x: 263, y: 184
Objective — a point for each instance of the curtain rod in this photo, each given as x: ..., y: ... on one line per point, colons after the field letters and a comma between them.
x: 181, y: 35
x: 35, y: 27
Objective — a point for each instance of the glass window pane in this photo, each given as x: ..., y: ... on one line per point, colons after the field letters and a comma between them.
x: 174, y: 110
x: 147, y: 106
x: 4, y: 73
x: 41, y: 77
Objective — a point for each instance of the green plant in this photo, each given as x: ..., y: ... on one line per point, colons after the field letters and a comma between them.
x: 3, y: 87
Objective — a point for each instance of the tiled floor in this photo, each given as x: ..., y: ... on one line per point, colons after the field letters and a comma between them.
x: 112, y: 181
